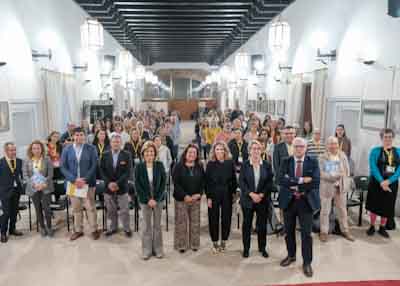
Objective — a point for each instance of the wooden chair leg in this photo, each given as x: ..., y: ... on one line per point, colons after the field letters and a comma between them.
x: 30, y: 214
x: 166, y: 213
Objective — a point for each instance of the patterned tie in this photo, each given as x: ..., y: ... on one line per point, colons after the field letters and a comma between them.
x: 298, y: 169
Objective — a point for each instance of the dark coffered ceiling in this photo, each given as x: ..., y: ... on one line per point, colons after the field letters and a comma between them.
x: 183, y: 31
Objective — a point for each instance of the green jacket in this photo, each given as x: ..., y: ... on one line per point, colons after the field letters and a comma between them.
x: 142, y: 182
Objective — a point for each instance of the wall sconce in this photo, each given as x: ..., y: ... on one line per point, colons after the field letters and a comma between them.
x: 321, y: 56
x: 286, y: 68
x: 2, y: 64
x: 83, y: 68
x: 36, y: 55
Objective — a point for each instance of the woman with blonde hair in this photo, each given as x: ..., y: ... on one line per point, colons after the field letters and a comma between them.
x: 221, y: 185
x: 38, y: 173
x: 150, y: 181
x: 335, y: 182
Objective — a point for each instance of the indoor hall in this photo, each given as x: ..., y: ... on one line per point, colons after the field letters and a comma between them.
x: 81, y: 79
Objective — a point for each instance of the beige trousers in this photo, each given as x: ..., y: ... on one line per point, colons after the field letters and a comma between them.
x: 340, y: 200
x: 89, y: 204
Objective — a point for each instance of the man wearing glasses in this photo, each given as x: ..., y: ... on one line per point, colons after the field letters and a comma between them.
x: 299, y: 198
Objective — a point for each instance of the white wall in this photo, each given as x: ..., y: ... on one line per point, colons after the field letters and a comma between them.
x: 40, y: 25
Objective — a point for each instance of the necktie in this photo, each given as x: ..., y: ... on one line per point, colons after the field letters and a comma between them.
x: 298, y: 169
x: 13, y: 165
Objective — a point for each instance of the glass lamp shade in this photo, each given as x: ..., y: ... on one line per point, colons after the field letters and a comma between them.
x: 125, y: 60
x: 92, y: 37
x: 279, y: 37
x: 140, y: 72
x: 242, y: 65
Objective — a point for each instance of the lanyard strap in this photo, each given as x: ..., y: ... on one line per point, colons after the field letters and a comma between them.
x: 101, y: 149
x: 11, y: 166
x: 239, y: 145
x: 390, y: 156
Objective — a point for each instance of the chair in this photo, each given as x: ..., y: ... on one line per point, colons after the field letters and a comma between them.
x: 360, y: 186
x: 100, y: 205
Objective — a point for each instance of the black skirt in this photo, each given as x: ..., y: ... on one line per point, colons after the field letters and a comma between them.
x: 380, y: 202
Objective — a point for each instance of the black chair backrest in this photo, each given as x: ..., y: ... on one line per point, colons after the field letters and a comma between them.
x: 361, y: 182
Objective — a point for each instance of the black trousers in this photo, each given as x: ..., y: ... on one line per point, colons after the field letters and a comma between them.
x: 10, y: 210
x: 220, y: 214
x: 299, y: 208
x: 42, y: 207
x: 261, y: 225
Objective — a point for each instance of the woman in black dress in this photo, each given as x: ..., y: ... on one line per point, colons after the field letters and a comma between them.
x: 221, y: 185
x: 384, y: 162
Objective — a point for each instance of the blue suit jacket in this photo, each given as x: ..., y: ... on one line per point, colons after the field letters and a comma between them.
x: 288, y: 179
x: 87, y: 164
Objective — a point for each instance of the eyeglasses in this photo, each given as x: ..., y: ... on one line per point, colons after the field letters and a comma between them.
x: 299, y: 146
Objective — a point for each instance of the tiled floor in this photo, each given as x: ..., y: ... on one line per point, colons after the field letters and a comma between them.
x: 32, y: 260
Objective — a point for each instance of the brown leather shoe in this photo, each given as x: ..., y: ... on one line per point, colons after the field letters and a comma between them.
x: 75, y: 236
x: 323, y: 237
x: 96, y: 235
x: 348, y: 236
x: 287, y: 261
x: 307, y: 270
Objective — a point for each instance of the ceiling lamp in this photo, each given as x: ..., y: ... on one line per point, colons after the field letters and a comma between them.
x: 92, y: 37
x: 154, y: 79
x: 225, y: 72
x: 279, y: 36
x: 148, y: 76
x: 125, y: 60
x: 140, y: 72
x: 242, y: 65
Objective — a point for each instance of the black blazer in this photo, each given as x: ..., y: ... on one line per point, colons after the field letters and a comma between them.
x: 220, y: 179
x: 187, y: 182
x: 247, y: 183
x: 288, y: 179
x: 7, y: 178
x: 135, y: 155
x: 120, y: 174
x: 280, y: 153
x: 142, y: 182
x: 234, y: 148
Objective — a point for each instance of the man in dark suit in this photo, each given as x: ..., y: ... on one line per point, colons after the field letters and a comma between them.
x: 79, y: 165
x: 115, y: 169
x: 238, y: 148
x: 10, y: 190
x: 283, y: 149
x: 299, y: 197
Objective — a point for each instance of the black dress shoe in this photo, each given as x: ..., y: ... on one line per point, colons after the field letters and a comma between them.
x: 128, y: 233
x: 16, y: 233
x: 371, y: 230
x: 110, y: 232
x: 264, y: 253
x: 245, y: 254
x: 3, y: 238
x: 307, y: 270
x: 382, y: 231
x: 287, y: 261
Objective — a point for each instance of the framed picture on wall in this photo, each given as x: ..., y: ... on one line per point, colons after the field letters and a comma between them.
x: 271, y: 107
x: 280, y: 107
x: 4, y: 116
x: 394, y: 116
x: 374, y: 114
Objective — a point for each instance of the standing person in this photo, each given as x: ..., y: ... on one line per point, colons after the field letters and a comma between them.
x: 119, y: 129
x: 335, y: 182
x: 189, y: 182
x: 384, y: 162
x: 78, y: 165
x: 101, y: 142
x: 38, y: 174
x: 133, y: 146
x: 54, y: 150
x: 115, y: 170
x: 344, y: 141
x: 298, y: 197
x: 10, y: 190
x: 315, y: 146
x: 150, y: 181
x: 256, y: 183
x: 238, y: 148
x: 211, y: 134
x: 221, y: 185
x: 164, y: 155
x: 175, y: 133
x: 307, y: 130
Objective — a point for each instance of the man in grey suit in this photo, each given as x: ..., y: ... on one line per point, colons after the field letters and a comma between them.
x: 78, y: 165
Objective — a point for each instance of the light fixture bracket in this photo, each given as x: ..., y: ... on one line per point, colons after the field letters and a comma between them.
x: 36, y: 55
x: 331, y: 56
x: 83, y: 68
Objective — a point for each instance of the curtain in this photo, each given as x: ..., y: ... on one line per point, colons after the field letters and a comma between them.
x: 295, y: 100
x: 318, y: 99
x: 61, y: 104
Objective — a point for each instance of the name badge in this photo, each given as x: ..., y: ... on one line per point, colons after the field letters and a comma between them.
x: 15, y: 184
x: 240, y: 160
x: 390, y: 169
x: 137, y: 161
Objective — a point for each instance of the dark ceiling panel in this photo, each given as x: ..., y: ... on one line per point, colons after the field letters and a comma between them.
x: 187, y: 31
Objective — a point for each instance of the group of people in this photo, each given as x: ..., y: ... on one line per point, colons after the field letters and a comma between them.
x: 233, y: 156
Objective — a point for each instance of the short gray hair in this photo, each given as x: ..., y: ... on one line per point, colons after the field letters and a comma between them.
x: 5, y: 146
x: 332, y: 139
x: 300, y: 140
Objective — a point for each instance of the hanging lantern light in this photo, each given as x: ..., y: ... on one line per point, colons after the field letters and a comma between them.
x: 154, y: 79
x: 242, y: 65
x: 140, y: 72
x: 148, y: 76
x: 125, y: 60
x: 279, y: 36
x: 92, y: 37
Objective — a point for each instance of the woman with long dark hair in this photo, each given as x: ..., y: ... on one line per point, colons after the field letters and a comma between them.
x: 344, y: 141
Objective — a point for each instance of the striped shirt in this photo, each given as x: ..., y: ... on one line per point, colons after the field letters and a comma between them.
x: 314, y: 150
